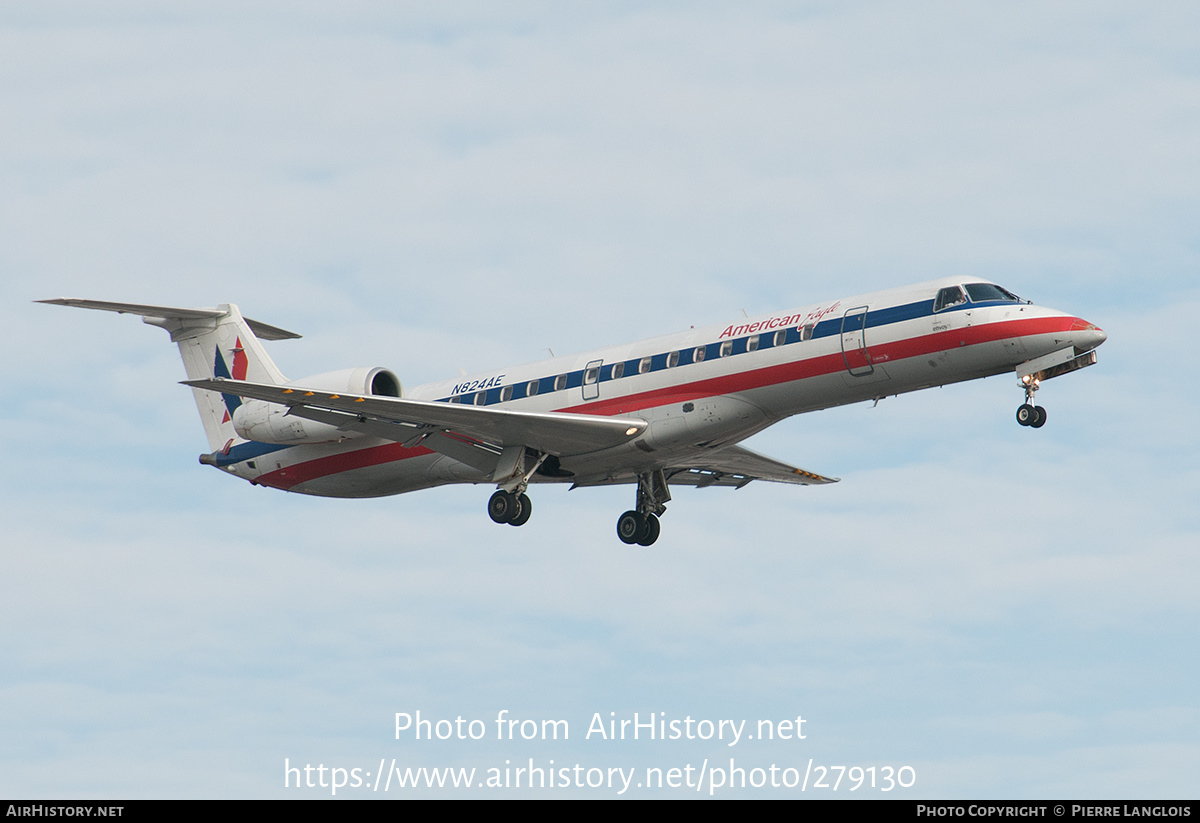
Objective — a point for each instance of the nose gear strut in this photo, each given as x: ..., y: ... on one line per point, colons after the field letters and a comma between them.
x: 1028, y: 414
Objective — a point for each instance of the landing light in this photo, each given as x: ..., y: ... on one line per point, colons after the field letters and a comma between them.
x: 631, y: 430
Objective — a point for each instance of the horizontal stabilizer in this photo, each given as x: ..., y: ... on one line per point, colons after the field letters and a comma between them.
x: 262, y: 330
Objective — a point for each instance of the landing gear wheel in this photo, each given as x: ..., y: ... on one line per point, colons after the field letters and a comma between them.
x: 631, y: 527
x: 503, y: 507
x: 1026, y: 414
x: 525, y: 508
x: 1040, y: 418
x: 653, y: 528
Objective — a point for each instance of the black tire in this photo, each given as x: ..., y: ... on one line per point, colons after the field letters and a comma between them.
x: 502, y: 507
x: 630, y: 526
x: 525, y: 508
x: 1026, y: 414
x: 653, y: 529
x: 1041, y: 417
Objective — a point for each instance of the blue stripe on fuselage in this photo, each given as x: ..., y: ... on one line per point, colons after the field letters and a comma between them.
x: 658, y: 362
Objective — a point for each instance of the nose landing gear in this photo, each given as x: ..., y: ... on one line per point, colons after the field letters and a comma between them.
x: 1027, y: 413
x: 1032, y: 416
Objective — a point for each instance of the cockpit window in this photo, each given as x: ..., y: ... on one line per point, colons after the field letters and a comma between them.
x: 949, y: 296
x: 988, y: 292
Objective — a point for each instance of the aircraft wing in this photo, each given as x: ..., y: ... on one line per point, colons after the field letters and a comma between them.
x: 409, y: 421
x: 733, y: 466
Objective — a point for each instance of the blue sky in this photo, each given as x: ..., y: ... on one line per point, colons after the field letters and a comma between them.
x: 1009, y: 612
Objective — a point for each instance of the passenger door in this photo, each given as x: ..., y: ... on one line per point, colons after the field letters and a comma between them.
x: 591, y: 380
x: 854, y: 342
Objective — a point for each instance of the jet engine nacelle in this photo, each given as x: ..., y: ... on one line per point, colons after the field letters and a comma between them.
x: 377, y: 381
x: 270, y: 423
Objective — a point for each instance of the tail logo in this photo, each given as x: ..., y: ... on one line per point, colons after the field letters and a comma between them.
x: 220, y: 369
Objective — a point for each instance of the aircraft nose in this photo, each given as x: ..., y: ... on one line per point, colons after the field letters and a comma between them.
x: 1086, y: 336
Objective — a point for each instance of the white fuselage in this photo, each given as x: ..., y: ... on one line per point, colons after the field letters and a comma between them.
x: 705, y: 388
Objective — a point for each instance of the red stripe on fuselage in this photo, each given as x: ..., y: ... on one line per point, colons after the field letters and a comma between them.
x: 881, y: 353
x: 290, y: 476
x: 884, y: 352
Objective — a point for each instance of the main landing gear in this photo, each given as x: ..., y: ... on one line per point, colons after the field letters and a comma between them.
x: 1029, y: 414
x: 643, y: 529
x: 510, y: 504
x: 641, y: 525
x: 510, y: 507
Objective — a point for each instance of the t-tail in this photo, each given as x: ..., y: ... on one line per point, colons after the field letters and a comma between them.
x: 213, y: 343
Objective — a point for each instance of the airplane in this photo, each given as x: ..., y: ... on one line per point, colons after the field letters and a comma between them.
x: 668, y: 411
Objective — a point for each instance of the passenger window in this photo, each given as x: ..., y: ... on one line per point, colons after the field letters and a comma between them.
x: 644, y: 366
x: 560, y: 382
x: 532, y: 389
x: 506, y: 393
x: 591, y: 376
x: 618, y: 371
x: 480, y: 398
x: 727, y: 348
x: 752, y: 343
x: 806, y: 331
x: 672, y: 360
x: 949, y: 296
x: 698, y: 355
x: 780, y: 337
